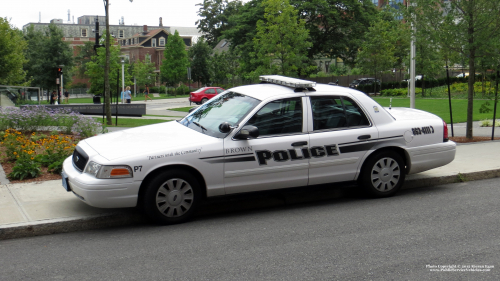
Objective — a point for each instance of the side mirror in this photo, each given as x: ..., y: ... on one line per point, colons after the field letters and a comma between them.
x: 225, y: 127
x: 248, y: 132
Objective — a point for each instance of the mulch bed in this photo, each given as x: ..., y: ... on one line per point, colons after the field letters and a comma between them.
x: 45, y: 175
x: 474, y: 139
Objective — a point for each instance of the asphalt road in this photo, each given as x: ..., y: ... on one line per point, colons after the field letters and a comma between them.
x: 399, y: 238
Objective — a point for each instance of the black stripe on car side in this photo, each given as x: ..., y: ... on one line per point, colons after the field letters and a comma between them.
x: 225, y: 156
x: 229, y: 160
x: 371, y: 140
x: 355, y: 147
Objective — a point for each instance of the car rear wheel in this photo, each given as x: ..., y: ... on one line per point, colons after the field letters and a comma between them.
x: 172, y: 197
x: 204, y: 100
x: 383, y: 174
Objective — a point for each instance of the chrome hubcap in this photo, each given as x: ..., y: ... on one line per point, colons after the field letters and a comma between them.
x: 385, y: 174
x: 174, y: 198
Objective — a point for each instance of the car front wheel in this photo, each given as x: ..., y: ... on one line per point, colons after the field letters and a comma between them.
x: 383, y: 174
x: 172, y: 197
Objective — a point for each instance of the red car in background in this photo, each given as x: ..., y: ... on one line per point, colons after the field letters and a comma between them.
x: 202, y: 95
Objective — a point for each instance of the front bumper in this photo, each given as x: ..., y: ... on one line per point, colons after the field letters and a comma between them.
x: 101, y: 193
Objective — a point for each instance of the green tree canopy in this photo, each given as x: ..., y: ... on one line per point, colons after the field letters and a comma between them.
x: 336, y: 27
x: 12, y: 46
x: 199, y: 54
x: 95, y: 71
x: 214, y: 18
x: 175, y: 62
x: 46, y: 51
x: 471, y: 28
x: 281, y: 41
x: 377, y: 53
x: 85, y: 53
x: 144, y: 72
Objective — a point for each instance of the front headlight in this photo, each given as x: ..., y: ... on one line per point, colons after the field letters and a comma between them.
x: 108, y: 172
x: 92, y: 168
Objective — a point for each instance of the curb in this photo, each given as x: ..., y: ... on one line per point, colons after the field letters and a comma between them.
x: 54, y: 226
x: 132, y: 217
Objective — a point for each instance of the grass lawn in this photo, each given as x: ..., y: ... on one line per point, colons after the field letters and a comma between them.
x: 440, y: 107
x: 132, y: 122
x: 182, y: 109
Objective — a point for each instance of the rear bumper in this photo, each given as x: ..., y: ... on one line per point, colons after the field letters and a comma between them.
x: 431, y: 156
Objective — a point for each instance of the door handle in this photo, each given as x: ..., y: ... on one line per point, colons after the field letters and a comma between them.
x: 299, y: 143
x: 364, y: 137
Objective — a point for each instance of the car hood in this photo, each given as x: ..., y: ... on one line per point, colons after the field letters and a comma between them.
x: 151, y: 138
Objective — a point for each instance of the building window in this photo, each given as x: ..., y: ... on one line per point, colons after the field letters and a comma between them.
x: 84, y: 32
x: 161, y: 41
x: 121, y: 33
x: 187, y: 41
x: 327, y: 66
x: 153, y: 42
x: 148, y: 58
x: 375, y: 2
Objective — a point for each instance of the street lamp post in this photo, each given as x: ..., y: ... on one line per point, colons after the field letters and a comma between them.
x: 106, y: 67
x: 123, y: 80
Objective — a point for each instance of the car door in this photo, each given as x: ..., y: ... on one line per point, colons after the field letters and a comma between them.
x: 277, y: 158
x: 210, y: 93
x: 340, y: 135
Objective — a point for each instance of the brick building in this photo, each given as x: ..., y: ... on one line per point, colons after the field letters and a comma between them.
x: 148, y: 39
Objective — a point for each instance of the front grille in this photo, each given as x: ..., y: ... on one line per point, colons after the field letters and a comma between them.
x: 80, y: 159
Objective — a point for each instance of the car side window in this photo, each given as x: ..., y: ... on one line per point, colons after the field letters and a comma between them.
x: 210, y: 91
x: 354, y: 114
x: 330, y: 112
x: 279, y: 117
x: 219, y: 91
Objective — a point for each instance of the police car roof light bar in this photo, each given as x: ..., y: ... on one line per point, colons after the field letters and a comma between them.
x: 289, y: 82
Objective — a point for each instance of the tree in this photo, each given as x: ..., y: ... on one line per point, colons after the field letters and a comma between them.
x: 215, y: 15
x: 95, y: 71
x: 223, y: 67
x: 199, y: 54
x: 46, y: 52
x: 336, y: 28
x: 467, y: 27
x: 12, y: 46
x: 84, y: 55
x: 378, y: 49
x: 281, y: 41
x: 144, y: 72
x: 240, y: 33
x: 175, y: 62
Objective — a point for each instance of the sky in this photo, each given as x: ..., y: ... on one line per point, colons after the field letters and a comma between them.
x: 140, y: 12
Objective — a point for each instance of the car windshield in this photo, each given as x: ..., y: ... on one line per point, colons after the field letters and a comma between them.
x: 227, y: 107
x: 199, y: 90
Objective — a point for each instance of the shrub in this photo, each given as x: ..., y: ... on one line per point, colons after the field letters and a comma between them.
x: 34, y: 118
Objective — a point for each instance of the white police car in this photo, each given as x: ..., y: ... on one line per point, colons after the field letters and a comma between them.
x: 282, y: 133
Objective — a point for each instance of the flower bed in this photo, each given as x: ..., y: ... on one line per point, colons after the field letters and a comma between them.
x: 35, y: 140
x: 29, y: 152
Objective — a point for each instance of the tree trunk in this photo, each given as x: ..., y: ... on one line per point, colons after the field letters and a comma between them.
x: 472, y: 71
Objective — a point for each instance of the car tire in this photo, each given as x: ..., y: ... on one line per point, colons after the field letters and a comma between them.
x: 172, y: 197
x: 204, y: 100
x: 383, y: 174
